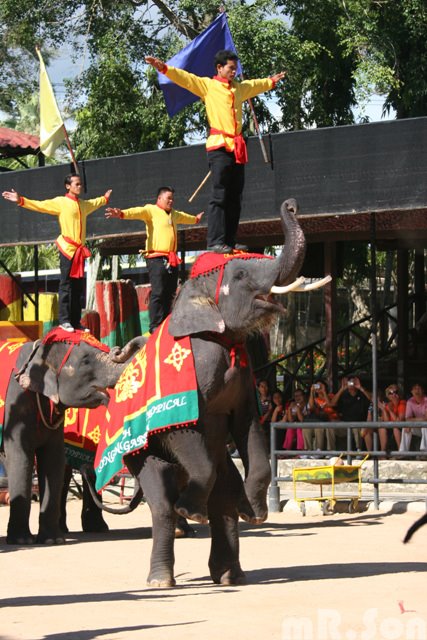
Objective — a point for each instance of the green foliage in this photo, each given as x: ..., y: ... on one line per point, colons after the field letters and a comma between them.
x: 336, y: 54
x: 22, y: 258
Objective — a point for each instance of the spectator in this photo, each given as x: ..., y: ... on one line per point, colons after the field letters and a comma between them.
x: 295, y: 412
x: 266, y: 408
x: 416, y: 409
x: 320, y: 410
x: 352, y: 402
x: 368, y: 433
x: 394, y: 410
x: 278, y: 406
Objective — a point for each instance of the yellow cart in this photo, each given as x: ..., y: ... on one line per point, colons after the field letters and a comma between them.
x: 330, y: 476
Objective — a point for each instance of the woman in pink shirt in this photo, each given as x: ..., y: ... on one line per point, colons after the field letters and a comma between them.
x: 416, y: 410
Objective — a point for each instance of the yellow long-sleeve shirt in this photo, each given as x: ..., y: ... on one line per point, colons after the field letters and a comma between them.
x: 161, y: 226
x: 72, y: 213
x: 223, y: 101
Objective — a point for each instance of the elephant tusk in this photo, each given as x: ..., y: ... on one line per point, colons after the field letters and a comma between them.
x: 300, y: 285
x: 309, y: 286
x: 289, y: 287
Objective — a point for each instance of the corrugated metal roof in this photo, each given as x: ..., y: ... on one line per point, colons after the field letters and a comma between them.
x: 16, y: 143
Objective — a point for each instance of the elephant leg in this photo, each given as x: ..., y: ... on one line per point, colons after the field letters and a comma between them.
x: 68, y: 472
x: 190, y: 449
x: 254, y: 454
x: 92, y: 518
x: 19, y: 467
x: 50, y: 469
x: 158, y: 480
x: 224, y: 564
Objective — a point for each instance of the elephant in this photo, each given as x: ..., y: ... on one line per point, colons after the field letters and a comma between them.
x: 52, y: 375
x: 181, y: 470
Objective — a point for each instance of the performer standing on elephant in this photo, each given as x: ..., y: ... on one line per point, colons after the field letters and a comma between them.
x: 226, y: 148
x: 160, y: 249
x: 72, y: 213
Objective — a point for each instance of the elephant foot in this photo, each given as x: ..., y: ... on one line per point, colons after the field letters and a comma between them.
x: 94, y: 523
x: 198, y: 513
x: 48, y: 539
x: 21, y: 540
x: 231, y: 577
x: 252, y: 518
x: 183, y: 529
x: 164, y: 582
x: 250, y: 515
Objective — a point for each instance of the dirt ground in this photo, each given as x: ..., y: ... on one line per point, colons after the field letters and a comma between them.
x: 320, y: 577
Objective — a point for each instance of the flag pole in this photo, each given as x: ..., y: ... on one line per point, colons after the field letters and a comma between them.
x: 257, y: 129
x: 70, y: 149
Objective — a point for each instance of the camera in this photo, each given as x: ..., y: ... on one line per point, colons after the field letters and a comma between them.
x: 350, y: 383
x: 317, y: 386
x: 294, y: 411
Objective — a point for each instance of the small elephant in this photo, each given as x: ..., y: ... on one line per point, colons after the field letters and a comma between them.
x: 52, y: 375
x: 187, y: 470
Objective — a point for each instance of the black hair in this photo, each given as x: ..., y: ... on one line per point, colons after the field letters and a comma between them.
x: 161, y: 190
x: 223, y: 56
x: 67, y: 179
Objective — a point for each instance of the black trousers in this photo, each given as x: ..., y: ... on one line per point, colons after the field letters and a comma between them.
x: 163, y: 280
x: 70, y: 294
x: 228, y: 180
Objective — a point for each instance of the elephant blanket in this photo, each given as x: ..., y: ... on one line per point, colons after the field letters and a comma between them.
x: 9, y: 352
x: 82, y: 433
x: 156, y: 391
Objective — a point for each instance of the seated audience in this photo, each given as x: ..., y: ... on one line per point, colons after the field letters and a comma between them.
x: 320, y: 410
x: 352, y: 403
x: 394, y: 410
x: 416, y: 410
x: 296, y: 410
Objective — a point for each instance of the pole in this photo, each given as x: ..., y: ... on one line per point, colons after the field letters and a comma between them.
x: 257, y: 129
x: 67, y: 140
x: 201, y: 185
x: 374, y: 323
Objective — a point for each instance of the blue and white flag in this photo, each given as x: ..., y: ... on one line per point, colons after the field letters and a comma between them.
x: 198, y: 58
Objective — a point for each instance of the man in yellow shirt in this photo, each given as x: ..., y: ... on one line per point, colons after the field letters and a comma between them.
x: 72, y: 213
x: 160, y: 248
x: 223, y: 97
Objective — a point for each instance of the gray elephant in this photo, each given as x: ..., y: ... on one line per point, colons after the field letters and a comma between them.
x: 181, y: 470
x: 52, y: 375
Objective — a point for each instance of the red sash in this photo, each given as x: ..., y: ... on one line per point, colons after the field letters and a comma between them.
x: 82, y: 252
x: 240, y: 150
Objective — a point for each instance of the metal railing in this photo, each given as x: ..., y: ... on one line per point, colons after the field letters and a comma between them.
x: 375, y: 454
x: 304, y: 365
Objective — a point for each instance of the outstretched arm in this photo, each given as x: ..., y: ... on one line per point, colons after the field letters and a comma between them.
x: 155, y: 62
x: 278, y: 76
x: 13, y: 195
x: 113, y: 212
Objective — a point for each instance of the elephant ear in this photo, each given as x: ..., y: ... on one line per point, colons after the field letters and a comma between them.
x: 193, y: 312
x: 35, y: 375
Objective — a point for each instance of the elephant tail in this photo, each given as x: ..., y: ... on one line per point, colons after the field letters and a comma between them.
x: 87, y: 473
x: 417, y: 524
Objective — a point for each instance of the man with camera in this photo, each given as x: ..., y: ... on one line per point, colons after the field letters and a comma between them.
x: 352, y: 402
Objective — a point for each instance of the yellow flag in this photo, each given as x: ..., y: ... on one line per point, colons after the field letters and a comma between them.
x: 52, y: 131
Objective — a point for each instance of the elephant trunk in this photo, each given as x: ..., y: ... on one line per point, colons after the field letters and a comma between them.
x: 123, y: 355
x: 290, y: 261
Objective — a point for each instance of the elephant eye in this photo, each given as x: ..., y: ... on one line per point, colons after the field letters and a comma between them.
x: 240, y: 274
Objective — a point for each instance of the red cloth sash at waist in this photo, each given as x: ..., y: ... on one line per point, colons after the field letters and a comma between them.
x: 82, y: 252
x: 172, y: 257
x: 240, y: 150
